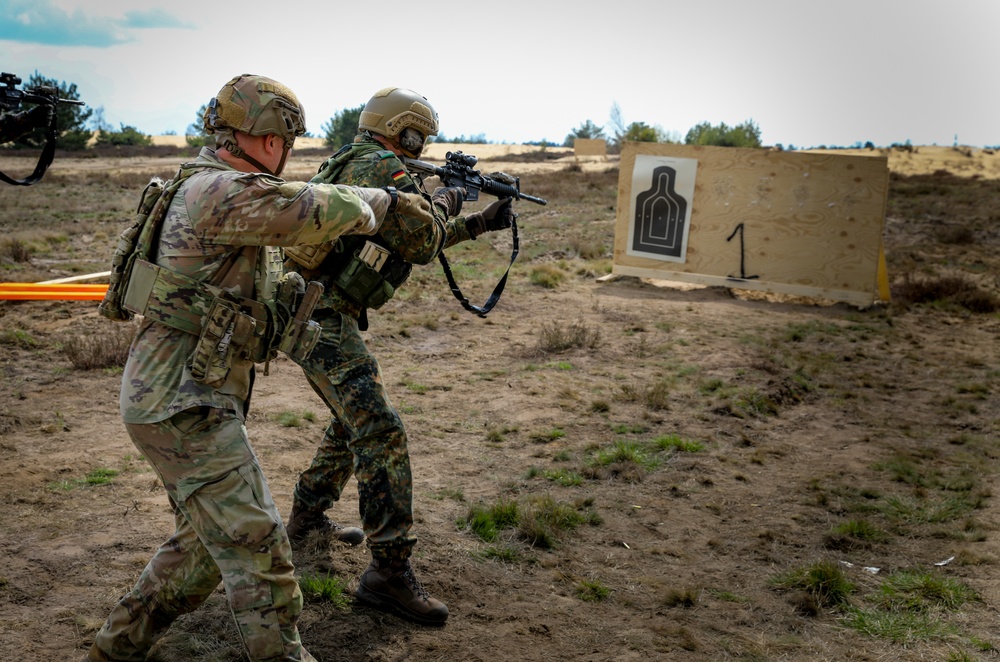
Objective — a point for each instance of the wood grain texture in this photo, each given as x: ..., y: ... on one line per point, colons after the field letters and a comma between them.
x: 811, y: 223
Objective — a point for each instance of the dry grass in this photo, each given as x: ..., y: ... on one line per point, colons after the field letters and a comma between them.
x: 688, y: 469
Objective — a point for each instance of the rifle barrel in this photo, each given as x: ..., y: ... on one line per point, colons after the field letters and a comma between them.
x: 531, y: 198
x: 501, y: 190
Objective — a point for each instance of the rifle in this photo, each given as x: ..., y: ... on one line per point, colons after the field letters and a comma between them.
x: 11, y: 99
x: 459, y: 171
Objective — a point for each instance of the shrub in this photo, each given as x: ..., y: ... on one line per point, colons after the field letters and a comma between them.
x: 954, y: 289
x: 556, y: 337
x: 108, y: 350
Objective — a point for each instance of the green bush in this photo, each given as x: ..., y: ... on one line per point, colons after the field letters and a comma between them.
x: 128, y: 135
x: 342, y: 127
x: 741, y: 135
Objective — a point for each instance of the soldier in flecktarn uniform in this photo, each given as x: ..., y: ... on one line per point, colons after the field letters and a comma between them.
x: 366, y: 436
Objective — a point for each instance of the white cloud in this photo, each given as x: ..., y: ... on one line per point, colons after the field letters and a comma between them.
x: 807, y: 73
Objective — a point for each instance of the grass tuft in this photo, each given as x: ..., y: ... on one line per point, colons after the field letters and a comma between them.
x: 326, y: 588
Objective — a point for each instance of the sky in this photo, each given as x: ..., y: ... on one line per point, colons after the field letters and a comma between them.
x: 806, y: 72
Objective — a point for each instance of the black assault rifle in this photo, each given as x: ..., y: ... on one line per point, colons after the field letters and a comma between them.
x: 11, y: 120
x: 459, y: 171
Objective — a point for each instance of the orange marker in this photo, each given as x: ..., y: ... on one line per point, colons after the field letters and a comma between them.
x: 53, y: 291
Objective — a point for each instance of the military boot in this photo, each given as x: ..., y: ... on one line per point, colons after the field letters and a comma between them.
x: 303, y: 521
x: 392, y: 586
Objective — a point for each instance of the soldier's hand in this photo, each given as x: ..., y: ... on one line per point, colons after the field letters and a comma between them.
x: 498, y: 215
x: 41, y: 116
x: 449, y: 199
x: 44, y: 117
x: 414, y: 206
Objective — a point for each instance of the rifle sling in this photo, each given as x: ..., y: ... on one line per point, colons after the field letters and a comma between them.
x: 44, y: 159
x: 481, y: 311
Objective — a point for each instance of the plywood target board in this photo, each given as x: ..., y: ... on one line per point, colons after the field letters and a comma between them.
x: 787, y: 222
x: 590, y: 147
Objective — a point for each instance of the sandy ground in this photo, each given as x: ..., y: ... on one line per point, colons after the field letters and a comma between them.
x: 685, y: 547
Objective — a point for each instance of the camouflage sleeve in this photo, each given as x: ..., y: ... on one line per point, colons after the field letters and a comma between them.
x: 457, y: 231
x: 240, y: 209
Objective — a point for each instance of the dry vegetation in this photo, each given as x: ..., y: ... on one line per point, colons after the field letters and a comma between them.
x: 603, y: 470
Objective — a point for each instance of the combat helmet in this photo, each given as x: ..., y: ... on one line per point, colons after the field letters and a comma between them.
x: 256, y: 105
x: 393, y: 110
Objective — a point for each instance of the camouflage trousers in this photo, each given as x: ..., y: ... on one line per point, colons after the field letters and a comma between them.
x: 227, y: 530
x: 365, y: 438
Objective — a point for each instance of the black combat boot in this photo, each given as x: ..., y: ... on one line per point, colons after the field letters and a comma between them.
x: 303, y: 521
x: 392, y: 586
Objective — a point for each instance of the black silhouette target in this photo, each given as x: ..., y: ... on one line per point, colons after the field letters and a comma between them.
x: 661, y: 210
x: 660, y: 215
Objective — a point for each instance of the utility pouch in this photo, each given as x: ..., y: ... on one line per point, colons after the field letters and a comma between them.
x: 133, y: 243
x: 361, y: 281
x: 301, y: 333
x: 225, y: 332
x: 310, y: 256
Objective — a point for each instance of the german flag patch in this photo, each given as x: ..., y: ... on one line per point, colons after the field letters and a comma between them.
x: 399, y: 174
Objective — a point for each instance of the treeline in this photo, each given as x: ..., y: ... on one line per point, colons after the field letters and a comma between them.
x: 78, y: 124
x: 343, y: 126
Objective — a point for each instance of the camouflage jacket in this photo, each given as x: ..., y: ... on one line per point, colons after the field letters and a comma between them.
x: 372, y: 165
x: 214, y: 231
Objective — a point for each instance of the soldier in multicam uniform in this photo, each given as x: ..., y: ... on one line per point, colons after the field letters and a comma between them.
x: 366, y: 436
x: 191, y: 426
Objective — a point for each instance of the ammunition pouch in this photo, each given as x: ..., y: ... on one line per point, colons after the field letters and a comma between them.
x: 363, y: 285
x: 227, y: 327
x: 299, y: 338
x: 299, y: 333
x: 371, y: 276
x: 225, y: 334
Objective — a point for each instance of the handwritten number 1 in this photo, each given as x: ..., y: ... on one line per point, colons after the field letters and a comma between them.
x: 743, y: 273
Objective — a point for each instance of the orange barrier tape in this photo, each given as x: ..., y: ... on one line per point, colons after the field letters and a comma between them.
x: 60, y: 291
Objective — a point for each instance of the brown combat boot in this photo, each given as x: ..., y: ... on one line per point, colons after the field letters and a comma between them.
x: 303, y: 521
x: 392, y: 586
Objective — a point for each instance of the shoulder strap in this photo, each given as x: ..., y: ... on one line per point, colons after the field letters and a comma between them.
x: 44, y: 159
x: 332, y: 167
x: 481, y: 311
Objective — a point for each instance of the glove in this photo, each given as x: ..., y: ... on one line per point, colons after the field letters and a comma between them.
x: 16, y: 125
x: 41, y: 116
x: 498, y: 215
x: 449, y: 199
x: 416, y: 207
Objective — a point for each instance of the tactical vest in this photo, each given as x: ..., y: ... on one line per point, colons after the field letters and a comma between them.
x: 227, y: 325
x: 366, y: 272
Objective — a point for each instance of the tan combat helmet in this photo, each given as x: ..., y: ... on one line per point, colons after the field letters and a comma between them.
x: 256, y: 105
x: 393, y: 110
